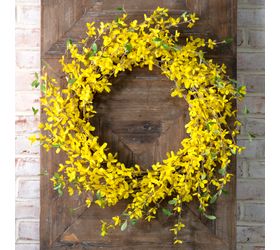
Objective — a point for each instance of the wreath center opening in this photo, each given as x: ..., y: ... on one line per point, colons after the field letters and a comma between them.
x: 139, y: 119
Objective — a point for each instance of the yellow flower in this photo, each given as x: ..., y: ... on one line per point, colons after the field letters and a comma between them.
x: 211, y: 43
x: 193, y: 17
x: 32, y: 138
x: 103, y: 228
x: 117, y: 220
x: 178, y: 242
x: 70, y: 191
x: 88, y: 202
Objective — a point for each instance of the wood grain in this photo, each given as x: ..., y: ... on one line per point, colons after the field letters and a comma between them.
x: 141, y: 122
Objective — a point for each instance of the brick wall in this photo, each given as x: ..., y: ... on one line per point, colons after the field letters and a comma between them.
x: 250, y: 181
x: 27, y: 168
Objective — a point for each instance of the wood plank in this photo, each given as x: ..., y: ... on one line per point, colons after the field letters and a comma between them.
x: 142, y: 124
x: 155, y: 235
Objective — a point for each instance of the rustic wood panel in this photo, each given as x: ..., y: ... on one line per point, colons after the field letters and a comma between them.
x: 139, y: 119
x: 141, y: 122
x: 58, y: 16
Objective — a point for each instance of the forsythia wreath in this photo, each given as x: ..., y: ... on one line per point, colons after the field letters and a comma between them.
x: 199, y: 170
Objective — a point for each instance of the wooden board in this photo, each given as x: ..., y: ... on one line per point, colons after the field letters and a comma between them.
x: 141, y: 122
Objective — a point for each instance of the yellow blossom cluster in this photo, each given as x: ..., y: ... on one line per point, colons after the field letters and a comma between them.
x: 198, y: 170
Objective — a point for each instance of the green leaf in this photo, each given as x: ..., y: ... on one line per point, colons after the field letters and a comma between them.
x: 98, y: 195
x: 165, y: 46
x: 128, y: 48
x: 69, y: 42
x: 94, y: 48
x: 201, y: 56
x: 157, y: 41
x: 35, y: 84
x: 172, y: 202
x: 72, y: 80
x: 203, y: 176
x: 218, y: 82
x: 60, y: 192
x: 213, y: 198
x: 56, y: 175
x: 133, y: 221
x: 222, y: 171
x: 228, y: 40
x: 124, y: 226
x: 213, y: 155
x: 224, y: 191
x: 89, y: 54
x: 166, y: 212
x: 35, y: 111
x: 209, y: 124
x: 36, y: 75
x: 233, y: 81
x: 210, y: 217
x: 251, y: 136
x: 120, y: 8
x: 58, y: 186
x: 246, y: 111
x: 43, y: 87
x: 200, y: 209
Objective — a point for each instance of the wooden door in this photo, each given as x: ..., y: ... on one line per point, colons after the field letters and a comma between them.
x: 141, y: 122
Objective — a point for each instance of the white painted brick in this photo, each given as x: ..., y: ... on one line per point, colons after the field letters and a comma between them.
x: 26, y: 100
x: 250, y: 234
x: 27, y: 38
x: 253, y: 125
x: 26, y: 123
x: 28, y: 230
x: 256, y: 2
x: 24, y: 79
x: 27, y: 166
x: 241, y: 37
x: 21, y: 246
x: 28, y: 1
x: 253, y: 212
x: 254, y: 246
x: 28, y: 209
x: 252, y: 61
x: 23, y: 146
x: 255, y: 104
x: 250, y: 168
x: 256, y: 39
x: 254, y: 149
x: 239, y: 210
x: 254, y: 83
x: 242, y: 167
x: 28, y: 15
x: 28, y: 188
x: 28, y: 59
x: 256, y: 169
x: 250, y: 17
x: 250, y: 189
